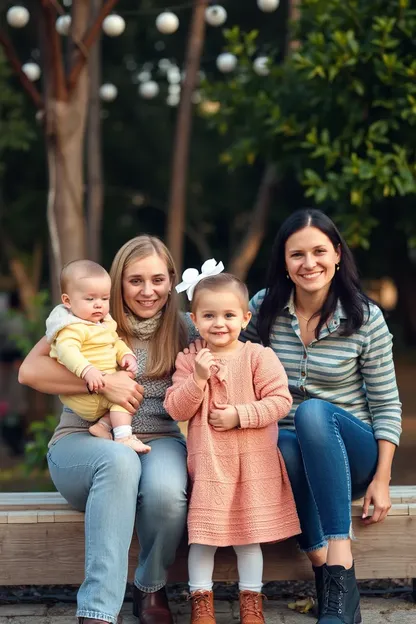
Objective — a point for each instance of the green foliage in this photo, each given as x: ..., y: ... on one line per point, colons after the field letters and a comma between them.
x: 15, y: 131
x: 340, y: 111
x: 31, y: 329
x: 37, y: 448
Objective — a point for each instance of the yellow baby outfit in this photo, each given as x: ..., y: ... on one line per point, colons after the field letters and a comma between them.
x: 76, y: 344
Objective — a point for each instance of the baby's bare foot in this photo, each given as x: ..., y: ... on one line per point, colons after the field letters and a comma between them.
x: 134, y: 443
x: 101, y: 430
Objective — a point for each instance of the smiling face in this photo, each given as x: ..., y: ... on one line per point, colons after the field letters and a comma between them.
x: 88, y: 298
x: 146, y: 286
x: 311, y: 260
x: 219, y: 316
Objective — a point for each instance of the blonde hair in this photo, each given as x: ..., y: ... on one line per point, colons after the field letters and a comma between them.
x: 80, y: 269
x: 172, y: 335
x: 222, y: 281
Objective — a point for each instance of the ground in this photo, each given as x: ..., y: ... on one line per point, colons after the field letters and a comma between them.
x: 374, y: 611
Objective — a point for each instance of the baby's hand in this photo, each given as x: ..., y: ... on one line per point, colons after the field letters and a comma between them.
x: 224, y: 417
x: 94, y: 379
x: 203, y: 362
x: 129, y: 363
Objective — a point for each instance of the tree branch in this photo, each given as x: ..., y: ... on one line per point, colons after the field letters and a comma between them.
x: 15, y: 63
x: 55, y: 56
x: 91, y: 36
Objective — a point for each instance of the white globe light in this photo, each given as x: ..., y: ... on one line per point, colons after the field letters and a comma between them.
x: 174, y: 89
x: 261, y: 66
x: 108, y: 92
x: 173, y: 75
x: 17, y: 16
x: 268, y: 6
x: 114, y: 25
x: 144, y: 76
x: 32, y: 71
x: 215, y: 15
x: 63, y: 24
x: 167, y: 23
x: 149, y: 90
x: 173, y: 99
x: 226, y: 62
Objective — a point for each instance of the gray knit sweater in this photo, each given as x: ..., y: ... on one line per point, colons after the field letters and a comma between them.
x: 151, y: 419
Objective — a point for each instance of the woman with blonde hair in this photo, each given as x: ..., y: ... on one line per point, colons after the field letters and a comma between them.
x: 114, y: 485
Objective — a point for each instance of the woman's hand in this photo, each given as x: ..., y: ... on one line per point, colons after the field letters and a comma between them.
x: 378, y: 494
x: 224, y: 417
x: 121, y: 389
x: 195, y: 347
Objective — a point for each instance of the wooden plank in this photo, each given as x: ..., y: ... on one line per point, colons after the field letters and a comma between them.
x: 13, y: 501
x: 22, y: 517
x: 53, y: 553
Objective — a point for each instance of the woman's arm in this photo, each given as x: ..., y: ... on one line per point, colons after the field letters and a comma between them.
x: 378, y: 492
x: 45, y: 374
x: 42, y: 373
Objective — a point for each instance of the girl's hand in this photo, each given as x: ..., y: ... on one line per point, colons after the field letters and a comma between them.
x: 203, y: 362
x: 224, y: 417
x: 378, y: 494
x: 129, y: 363
x: 195, y: 347
x: 94, y: 379
x: 121, y: 389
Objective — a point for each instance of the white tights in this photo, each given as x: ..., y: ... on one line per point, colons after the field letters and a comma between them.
x: 249, y: 563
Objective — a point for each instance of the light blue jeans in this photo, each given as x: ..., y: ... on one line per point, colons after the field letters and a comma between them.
x: 115, y: 487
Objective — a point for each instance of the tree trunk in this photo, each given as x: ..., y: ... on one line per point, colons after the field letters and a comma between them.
x: 95, y: 192
x: 180, y: 164
x: 247, y: 251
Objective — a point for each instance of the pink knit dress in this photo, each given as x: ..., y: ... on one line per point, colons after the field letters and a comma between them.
x: 240, y: 492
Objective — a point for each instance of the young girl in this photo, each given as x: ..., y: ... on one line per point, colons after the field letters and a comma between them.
x: 233, y: 394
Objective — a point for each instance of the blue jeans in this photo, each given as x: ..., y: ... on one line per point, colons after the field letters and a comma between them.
x: 115, y: 486
x: 331, y: 458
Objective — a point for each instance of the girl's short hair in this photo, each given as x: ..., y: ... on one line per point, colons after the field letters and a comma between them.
x: 222, y: 281
x: 172, y: 334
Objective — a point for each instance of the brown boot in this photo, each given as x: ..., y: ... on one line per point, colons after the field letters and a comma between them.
x: 251, y: 607
x: 202, y: 607
x: 152, y: 607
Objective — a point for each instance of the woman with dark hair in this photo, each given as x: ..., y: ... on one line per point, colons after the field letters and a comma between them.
x: 339, y: 439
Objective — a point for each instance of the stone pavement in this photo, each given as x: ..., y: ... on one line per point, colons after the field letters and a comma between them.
x: 374, y: 611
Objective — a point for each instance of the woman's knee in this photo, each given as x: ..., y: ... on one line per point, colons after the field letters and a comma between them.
x: 289, y: 447
x: 311, y: 414
x: 121, y: 464
x: 164, y: 501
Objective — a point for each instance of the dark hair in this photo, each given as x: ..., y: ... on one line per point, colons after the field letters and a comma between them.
x: 345, y: 285
x: 218, y: 282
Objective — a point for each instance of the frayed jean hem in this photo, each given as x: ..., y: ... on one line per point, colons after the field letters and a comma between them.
x: 314, y: 548
x: 96, y: 615
x: 149, y: 590
x: 343, y: 536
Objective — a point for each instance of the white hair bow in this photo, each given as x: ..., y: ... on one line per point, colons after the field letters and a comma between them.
x: 191, y: 277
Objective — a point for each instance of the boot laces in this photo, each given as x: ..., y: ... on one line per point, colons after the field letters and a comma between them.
x: 202, y: 603
x: 334, y: 590
x: 252, y: 604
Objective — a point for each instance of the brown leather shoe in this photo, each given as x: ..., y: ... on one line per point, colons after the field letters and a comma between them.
x: 151, y: 608
x: 251, y: 607
x: 202, y: 607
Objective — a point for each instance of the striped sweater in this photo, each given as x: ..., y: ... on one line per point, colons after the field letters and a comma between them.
x: 355, y: 373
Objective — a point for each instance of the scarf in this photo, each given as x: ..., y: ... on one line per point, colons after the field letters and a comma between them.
x: 143, y: 329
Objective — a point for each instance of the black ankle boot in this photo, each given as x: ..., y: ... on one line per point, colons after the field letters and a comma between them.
x: 341, y: 599
x: 319, y: 584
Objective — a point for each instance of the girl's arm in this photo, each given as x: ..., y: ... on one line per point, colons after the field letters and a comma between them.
x: 44, y: 374
x: 271, y: 385
x: 184, y: 397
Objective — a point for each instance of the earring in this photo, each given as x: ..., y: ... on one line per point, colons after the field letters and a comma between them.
x: 337, y: 266
x: 287, y: 275
x: 170, y: 292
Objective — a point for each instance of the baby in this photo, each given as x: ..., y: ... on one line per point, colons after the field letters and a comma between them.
x: 83, y: 337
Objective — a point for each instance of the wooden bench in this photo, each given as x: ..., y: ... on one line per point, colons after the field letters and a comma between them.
x: 42, y: 543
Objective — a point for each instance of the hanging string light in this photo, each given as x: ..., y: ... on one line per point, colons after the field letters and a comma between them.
x: 17, y: 16
x: 167, y: 23
x: 63, y: 24
x: 226, y: 62
x: 261, y: 66
x: 215, y: 15
x: 114, y: 25
x: 32, y: 71
x: 108, y: 92
x: 268, y: 6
